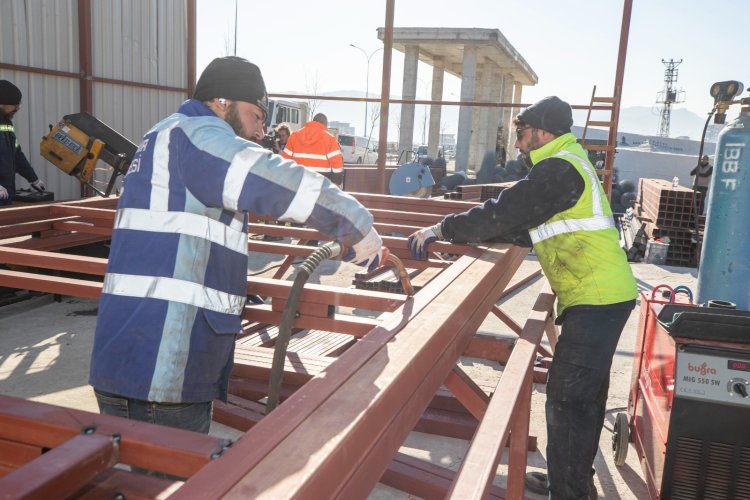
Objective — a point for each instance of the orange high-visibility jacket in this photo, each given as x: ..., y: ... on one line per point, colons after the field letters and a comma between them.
x: 316, y: 148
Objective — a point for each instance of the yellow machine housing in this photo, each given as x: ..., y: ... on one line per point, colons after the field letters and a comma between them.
x: 79, y: 141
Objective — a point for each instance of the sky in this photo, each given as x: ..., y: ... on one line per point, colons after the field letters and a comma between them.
x: 304, y: 46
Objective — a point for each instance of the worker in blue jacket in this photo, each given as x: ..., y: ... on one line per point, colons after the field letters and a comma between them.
x: 12, y: 159
x: 176, y: 280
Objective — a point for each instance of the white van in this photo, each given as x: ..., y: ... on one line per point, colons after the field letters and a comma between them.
x: 358, y: 149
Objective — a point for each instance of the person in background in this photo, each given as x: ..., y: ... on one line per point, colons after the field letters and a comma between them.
x: 12, y: 159
x: 316, y: 148
x: 561, y: 209
x: 702, y: 173
x: 176, y: 281
x: 283, y: 131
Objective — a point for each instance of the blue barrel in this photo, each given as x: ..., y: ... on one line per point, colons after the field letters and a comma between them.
x: 724, y: 272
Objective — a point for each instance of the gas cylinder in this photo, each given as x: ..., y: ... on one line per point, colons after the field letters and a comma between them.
x: 724, y: 272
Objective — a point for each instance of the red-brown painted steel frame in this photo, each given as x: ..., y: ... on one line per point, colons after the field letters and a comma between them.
x: 439, y: 322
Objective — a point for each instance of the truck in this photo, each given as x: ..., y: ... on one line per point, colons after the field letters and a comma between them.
x: 295, y: 114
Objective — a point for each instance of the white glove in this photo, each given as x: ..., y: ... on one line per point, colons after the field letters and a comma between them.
x: 38, y: 185
x: 369, y: 252
x: 3, y: 193
x: 420, y: 240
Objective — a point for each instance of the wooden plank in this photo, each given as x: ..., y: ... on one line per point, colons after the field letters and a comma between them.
x: 358, y: 326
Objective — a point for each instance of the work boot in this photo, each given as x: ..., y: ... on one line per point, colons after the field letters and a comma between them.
x: 537, y: 482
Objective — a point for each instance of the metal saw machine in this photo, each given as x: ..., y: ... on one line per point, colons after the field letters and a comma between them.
x: 77, y: 143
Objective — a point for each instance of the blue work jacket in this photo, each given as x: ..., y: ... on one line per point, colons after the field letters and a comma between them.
x: 176, y: 280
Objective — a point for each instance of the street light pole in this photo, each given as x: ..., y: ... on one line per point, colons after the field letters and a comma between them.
x: 367, y: 83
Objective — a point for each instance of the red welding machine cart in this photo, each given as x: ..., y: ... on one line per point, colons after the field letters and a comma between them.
x: 689, y: 410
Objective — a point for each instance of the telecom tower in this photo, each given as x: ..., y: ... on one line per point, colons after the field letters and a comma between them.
x: 668, y: 96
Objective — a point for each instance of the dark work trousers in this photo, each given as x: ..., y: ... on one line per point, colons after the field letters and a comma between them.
x: 190, y: 416
x: 703, y: 202
x: 577, y: 396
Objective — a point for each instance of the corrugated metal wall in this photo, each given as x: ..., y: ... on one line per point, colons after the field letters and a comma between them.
x: 133, y: 40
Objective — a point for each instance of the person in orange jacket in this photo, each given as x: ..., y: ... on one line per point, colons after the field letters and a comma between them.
x: 317, y: 149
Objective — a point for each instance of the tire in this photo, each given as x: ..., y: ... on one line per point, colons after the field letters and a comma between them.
x: 620, y: 439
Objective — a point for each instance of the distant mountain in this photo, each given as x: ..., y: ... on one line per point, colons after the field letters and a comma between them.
x: 636, y: 119
x: 645, y: 120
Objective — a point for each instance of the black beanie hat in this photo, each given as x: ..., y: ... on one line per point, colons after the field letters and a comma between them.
x: 232, y: 78
x: 551, y: 114
x: 9, y: 93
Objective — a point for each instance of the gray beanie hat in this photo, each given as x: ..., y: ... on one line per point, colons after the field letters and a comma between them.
x: 551, y: 114
x: 232, y: 78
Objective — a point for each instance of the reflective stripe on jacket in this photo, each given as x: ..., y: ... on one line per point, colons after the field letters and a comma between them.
x: 579, y: 248
x: 176, y: 280
x: 316, y: 148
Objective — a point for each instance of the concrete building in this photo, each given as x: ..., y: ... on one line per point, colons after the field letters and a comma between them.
x: 491, y: 71
x: 342, y: 127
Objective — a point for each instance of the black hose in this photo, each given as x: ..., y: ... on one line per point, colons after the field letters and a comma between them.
x: 304, y: 271
x: 695, y: 184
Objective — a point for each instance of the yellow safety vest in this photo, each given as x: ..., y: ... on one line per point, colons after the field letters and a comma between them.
x: 579, y: 248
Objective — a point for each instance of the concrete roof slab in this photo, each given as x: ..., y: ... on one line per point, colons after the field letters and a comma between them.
x: 449, y: 44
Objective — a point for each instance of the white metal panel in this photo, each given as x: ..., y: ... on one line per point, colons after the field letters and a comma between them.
x: 140, y: 41
x: 132, y: 40
x: 42, y: 34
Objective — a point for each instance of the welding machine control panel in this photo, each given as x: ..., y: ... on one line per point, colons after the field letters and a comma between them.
x: 710, y: 376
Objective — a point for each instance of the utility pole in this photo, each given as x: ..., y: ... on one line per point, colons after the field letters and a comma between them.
x: 668, y: 96
x: 367, y: 83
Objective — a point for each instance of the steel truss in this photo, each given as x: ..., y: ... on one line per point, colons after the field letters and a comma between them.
x: 354, y: 387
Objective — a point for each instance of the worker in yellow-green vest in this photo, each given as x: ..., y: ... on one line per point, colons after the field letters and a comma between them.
x: 561, y: 210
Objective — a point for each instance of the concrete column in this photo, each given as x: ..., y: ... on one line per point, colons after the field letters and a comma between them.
x: 406, y: 130
x: 494, y: 114
x: 482, y: 144
x: 468, y: 77
x: 438, y: 75
x: 517, y: 94
x: 507, y: 114
x: 475, y: 112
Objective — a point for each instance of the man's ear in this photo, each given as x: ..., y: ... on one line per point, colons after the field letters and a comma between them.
x: 218, y: 105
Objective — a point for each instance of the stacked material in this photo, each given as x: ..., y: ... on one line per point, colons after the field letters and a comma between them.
x: 634, y: 236
x: 668, y: 215
x: 478, y: 192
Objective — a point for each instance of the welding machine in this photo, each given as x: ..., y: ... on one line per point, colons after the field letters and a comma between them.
x: 689, y: 409
x: 77, y: 143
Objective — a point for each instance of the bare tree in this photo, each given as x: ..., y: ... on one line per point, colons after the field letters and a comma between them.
x: 311, y: 88
x: 374, y: 118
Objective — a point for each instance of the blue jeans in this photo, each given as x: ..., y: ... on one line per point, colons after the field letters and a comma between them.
x: 577, y: 396
x: 190, y: 416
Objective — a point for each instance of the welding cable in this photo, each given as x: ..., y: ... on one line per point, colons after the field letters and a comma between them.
x: 687, y: 291
x: 304, y: 271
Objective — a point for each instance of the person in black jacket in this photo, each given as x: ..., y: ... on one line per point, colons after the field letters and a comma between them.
x: 702, y: 172
x: 560, y: 208
x: 12, y: 159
